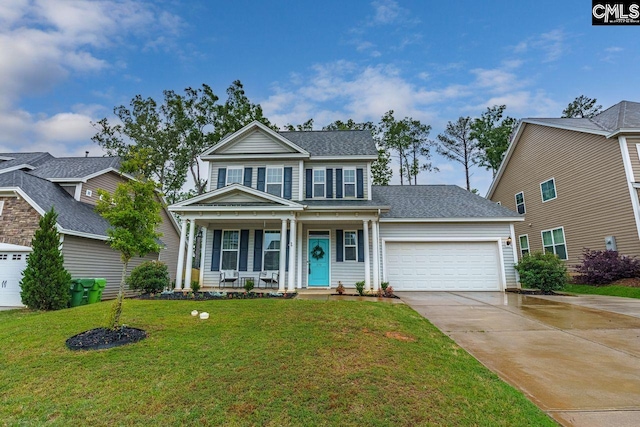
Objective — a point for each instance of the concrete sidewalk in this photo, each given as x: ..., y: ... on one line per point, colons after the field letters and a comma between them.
x: 577, y: 358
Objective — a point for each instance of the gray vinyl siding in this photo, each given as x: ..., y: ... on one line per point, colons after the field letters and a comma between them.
x: 257, y: 142
x: 88, y: 258
x: 593, y: 198
x: 108, y: 181
x: 171, y: 239
x: 455, y: 230
x: 255, y: 164
x: 341, y: 165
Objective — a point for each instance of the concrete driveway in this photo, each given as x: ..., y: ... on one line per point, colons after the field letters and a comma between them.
x: 577, y: 358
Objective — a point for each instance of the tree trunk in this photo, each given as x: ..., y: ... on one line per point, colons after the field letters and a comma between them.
x: 116, y: 308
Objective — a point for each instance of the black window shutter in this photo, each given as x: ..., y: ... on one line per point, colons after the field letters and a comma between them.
x: 286, y: 266
x: 338, y: 183
x: 288, y: 178
x: 339, y: 246
x: 215, y: 254
x: 244, y: 250
x: 360, y: 246
x: 248, y: 176
x: 309, y: 184
x: 222, y: 177
x: 329, y: 183
x: 257, y: 251
x: 360, y: 183
x: 261, y: 174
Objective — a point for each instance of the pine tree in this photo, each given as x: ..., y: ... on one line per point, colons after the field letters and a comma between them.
x: 45, y: 282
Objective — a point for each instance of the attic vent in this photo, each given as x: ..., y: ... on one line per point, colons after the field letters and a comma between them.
x: 88, y: 193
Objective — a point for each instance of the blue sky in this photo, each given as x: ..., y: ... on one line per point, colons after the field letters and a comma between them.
x: 64, y: 64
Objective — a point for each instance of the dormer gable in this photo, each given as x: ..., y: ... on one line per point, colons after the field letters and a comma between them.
x: 255, y: 139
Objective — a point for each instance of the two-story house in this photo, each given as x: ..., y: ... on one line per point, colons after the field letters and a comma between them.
x: 575, y: 181
x: 33, y: 183
x: 299, y: 209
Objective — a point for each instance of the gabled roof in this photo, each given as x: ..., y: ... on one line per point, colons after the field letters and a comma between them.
x: 219, y: 198
x: 76, y: 168
x: 438, y: 203
x: 17, y: 161
x: 335, y: 143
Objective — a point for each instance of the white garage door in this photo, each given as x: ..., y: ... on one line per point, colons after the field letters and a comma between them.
x: 11, y: 265
x: 443, y: 266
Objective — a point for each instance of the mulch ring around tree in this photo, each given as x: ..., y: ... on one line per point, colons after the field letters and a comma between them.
x: 204, y: 296
x: 102, y: 338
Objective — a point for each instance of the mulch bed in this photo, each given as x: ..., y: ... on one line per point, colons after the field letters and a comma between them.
x: 375, y: 295
x: 204, y: 296
x: 526, y: 291
x: 632, y: 282
x: 102, y: 338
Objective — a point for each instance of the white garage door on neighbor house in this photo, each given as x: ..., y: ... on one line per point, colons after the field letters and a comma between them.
x: 13, y: 260
x: 443, y: 266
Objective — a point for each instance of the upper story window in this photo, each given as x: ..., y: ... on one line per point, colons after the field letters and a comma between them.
x: 553, y: 242
x: 271, y: 254
x: 548, y: 190
x: 350, y: 246
x: 274, y: 181
x: 349, y: 182
x: 524, y: 244
x: 230, y: 248
x: 318, y: 182
x: 234, y: 175
x: 520, y: 203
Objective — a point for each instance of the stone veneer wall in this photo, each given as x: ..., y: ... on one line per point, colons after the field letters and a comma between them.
x: 18, y: 222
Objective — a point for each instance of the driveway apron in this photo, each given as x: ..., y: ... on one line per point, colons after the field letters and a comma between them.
x: 577, y: 358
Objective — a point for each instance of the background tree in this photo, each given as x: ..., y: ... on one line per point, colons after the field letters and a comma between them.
x: 45, y: 282
x: 306, y: 126
x: 582, y: 107
x: 492, y: 134
x: 456, y: 144
x: 133, y: 213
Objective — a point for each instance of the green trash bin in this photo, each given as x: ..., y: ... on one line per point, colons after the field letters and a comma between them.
x: 77, y: 293
x: 101, y: 284
x: 90, y: 290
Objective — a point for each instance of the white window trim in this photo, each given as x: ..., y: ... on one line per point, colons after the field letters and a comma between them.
x: 564, y: 236
x: 88, y: 193
x: 223, y: 250
x: 528, y: 248
x: 324, y: 183
x: 266, y: 179
x: 1, y: 206
x: 229, y: 168
x: 524, y: 205
x: 344, y: 246
x: 355, y: 184
x: 264, y: 247
x: 638, y: 150
x: 555, y: 189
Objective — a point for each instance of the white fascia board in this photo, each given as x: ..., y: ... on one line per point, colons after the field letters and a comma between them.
x: 84, y: 179
x: 565, y: 127
x: 442, y: 239
x: 409, y: 220
x: 8, y: 247
x: 7, y: 158
x: 344, y: 158
x: 17, y: 167
x: 242, y: 189
x: 255, y: 156
x: 505, y: 160
x: 82, y: 234
x: 248, y: 128
x: 235, y: 208
x: 623, y: 131
x: 338, y: 208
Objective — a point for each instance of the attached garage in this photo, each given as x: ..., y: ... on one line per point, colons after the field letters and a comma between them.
x: 444, y: 265
x: 13, y: 260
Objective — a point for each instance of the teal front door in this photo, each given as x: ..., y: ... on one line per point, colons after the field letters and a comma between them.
x: 319, y: 261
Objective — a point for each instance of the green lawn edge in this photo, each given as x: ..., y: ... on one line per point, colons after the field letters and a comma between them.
x: 610, y: 290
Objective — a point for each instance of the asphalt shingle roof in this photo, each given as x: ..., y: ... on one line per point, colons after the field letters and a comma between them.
x: 436, y: 201
x: 334, y: 142
x: 75, y: 167
x: 18, y: 159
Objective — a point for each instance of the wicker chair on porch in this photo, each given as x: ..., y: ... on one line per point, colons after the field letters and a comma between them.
x: 228, y: 277
x: 269, y: 278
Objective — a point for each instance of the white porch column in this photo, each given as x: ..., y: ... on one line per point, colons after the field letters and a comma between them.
x: 367, y: 265
x: 283, y: 256
x: 292, y: 256
x: 203, y: 245
x: 183, y: 242
x: 187, y: 274
x: 376, y: 255
x: 299, y: 261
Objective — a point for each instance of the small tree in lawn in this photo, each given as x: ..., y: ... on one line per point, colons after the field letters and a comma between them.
x: 133, y: 212
x: 45, y: 282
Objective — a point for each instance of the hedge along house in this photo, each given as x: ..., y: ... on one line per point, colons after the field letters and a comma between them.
x: 299, y: 208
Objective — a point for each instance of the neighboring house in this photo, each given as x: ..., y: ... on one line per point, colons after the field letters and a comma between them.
x: 575, y: 181
x: 300, y: 208
x: 32, y: 183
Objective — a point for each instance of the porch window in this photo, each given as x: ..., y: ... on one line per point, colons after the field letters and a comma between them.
x: 271, y: 253
x: 274, y: 181
x: 234, y: 176
x: 548, y: 190
x: 553, y: 242
x: 520, y: 203
x: 524, y: 244
x: 230, y: 247
x: 350, y: 246
x: 318, y: 182
x: 349, y: 182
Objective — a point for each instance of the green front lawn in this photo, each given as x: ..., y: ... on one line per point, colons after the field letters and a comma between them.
x: 254, y: 362
x: 612, y: 290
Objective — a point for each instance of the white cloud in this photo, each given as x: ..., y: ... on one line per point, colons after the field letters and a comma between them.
x: 551, y: 44
x: 386, y: 12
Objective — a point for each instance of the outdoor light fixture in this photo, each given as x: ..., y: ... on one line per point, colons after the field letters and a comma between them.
x: 509, y: 241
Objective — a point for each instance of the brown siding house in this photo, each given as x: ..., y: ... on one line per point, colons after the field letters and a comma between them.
x: 574, y: 181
